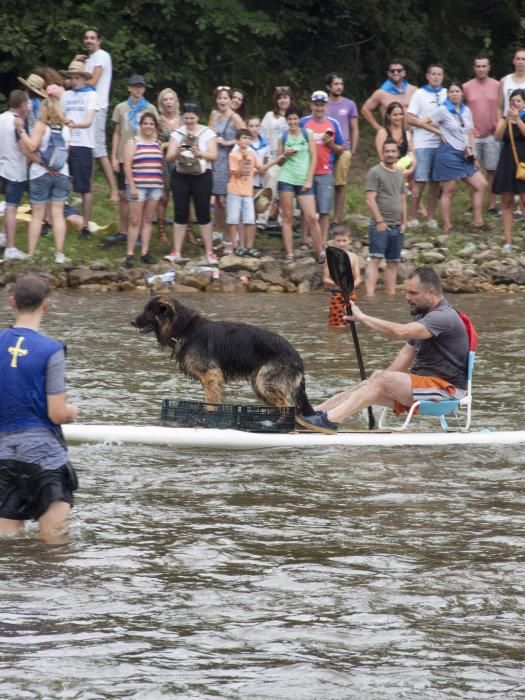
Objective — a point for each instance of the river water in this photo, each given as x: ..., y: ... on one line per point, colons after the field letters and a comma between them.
x: 320, y: 573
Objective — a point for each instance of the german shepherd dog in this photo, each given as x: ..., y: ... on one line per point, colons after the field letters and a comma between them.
x: 217, y: 352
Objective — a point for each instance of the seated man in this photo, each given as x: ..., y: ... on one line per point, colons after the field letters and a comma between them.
x: 431, y: 366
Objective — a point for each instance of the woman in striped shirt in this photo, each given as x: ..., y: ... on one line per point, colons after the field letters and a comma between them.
x: 144, y: 184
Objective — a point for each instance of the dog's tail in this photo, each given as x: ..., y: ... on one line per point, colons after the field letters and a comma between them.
x: 302, y: 404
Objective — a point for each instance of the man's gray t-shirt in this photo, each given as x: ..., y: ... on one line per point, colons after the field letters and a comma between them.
x: 388, y: 185
x: 444, y: 355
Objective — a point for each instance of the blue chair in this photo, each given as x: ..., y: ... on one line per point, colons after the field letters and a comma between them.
x: 461, y: 409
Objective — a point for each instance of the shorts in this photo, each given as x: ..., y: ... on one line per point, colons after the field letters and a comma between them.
x: 239, y: 209
x: 424, y: 164
x: 429, y: 389
x: 13, y: 191
x: 487, y: 152
x: 342, y: 168
x: 81, y: 168
x: 385, y: 244
x: 49, y: 188
x: 100, y: 133
x: 297, y: 190
x: 146, y: 194
x: 27, y: 490
x: 324, y: 193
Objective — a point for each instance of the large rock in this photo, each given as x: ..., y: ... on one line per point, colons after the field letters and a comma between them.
x: 272, y: 277
x: 82, y: 276
x: 301, y: 271
x: 199, y: 280
x: 232, y: 263
x: 432, y: 257
x: 257, y: 286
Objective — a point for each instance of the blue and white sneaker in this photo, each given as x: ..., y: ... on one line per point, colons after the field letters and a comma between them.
x: 318, y: 422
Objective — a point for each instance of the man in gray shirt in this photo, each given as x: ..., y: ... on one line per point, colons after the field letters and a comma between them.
x: 431, y: 365
x: 386, y: 201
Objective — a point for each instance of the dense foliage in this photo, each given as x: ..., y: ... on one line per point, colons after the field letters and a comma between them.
x: 194, y: 45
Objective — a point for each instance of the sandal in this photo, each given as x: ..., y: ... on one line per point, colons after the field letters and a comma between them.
x: 483, y: 227
x: 254, y: 253
x: 240, y: 251
x: 289, y: 258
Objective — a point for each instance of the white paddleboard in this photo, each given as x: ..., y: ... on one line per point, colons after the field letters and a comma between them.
x: 213, y: 438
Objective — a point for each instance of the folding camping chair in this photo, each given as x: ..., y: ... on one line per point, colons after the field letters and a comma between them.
x: 441, y: 409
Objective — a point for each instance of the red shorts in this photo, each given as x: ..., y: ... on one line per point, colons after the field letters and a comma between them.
x: 429, y: 389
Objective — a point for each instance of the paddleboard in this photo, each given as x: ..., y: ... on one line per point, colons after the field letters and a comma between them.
x: 216, y: 439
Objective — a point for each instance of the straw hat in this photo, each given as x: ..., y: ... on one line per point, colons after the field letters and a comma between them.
x: 263, y: 199
x: 34, y: 83
x: 76, y: 68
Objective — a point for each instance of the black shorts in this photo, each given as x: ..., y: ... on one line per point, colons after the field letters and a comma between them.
x: 27, y: 490
x: 121, y: 178
x: 81, y: 168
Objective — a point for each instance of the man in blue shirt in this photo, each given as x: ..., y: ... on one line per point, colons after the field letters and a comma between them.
x: 36, y: 479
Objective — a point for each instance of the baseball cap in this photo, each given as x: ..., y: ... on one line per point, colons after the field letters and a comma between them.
x: 319, y: 96
x: 136, y: 80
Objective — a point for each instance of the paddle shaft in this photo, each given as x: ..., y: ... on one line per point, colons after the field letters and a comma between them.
x: 359, y: 357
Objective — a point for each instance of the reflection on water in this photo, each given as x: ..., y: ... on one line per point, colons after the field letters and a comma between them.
x: 332, y: 573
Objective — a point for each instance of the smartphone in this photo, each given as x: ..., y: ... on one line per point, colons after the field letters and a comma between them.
x: 329, y: 133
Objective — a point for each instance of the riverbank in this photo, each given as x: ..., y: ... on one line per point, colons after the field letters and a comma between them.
x: 468, y: 261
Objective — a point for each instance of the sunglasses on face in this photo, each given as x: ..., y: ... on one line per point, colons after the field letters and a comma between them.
x: 396, y: 70
x: 223, y: 87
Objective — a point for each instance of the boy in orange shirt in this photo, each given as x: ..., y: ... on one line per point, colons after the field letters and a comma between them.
x: 239, y: 201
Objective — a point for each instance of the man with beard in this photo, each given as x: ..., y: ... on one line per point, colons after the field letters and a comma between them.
x: 344, y: 111
x: 395, y: 88
x: 431, y: 365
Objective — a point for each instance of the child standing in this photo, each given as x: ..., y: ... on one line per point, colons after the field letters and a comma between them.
x: 239, y: 202
x: 341, y: 238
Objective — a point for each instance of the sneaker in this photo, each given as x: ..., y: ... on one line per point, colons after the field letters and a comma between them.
x: 117, y: 238
x: 413, y: 223
x: 517, y: 215
x: 321, y: 257
x: 432, y: 224
x: 495, y: 212
x: 289, y: 258
x: 212, y: 259
x: 3, y: 239
x: 507, y: 248
x: 318, y: 423
x: 46, y: 229
x: 148, y: 259
x: 173, y: 256
x: 129, y: 261
x: 60, y: 258
x: 15, y: 254
x: 85, y: 233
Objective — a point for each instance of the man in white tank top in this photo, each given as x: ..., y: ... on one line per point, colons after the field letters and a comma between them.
x: 512, y: 81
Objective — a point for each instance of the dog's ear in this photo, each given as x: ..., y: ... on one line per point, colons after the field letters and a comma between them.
x: 164, y: 308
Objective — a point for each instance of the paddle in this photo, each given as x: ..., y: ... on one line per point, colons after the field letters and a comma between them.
x: 341, y: 272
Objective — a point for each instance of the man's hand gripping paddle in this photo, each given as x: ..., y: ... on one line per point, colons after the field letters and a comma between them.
x: 341, y: 272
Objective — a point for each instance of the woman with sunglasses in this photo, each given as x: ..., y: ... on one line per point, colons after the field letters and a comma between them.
x: 455, y: 160
x: 505, y: 182
x: 225, y: 121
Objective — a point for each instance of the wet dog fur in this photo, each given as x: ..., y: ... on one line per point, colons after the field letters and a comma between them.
x: 217, y: 352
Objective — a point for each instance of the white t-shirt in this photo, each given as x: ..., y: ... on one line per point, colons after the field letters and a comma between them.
x: 76, y: 106
x: 272, y: 128
x: 204, y: 135
x: 508, y: 87
x: 423, y: 103
x: 103, y: 59
x: 35, y: 169
x: 12, y: 161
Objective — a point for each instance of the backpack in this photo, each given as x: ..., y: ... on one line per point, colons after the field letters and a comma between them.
x: 55, y: 155
x: 187, y: 162
x: 304, y: 132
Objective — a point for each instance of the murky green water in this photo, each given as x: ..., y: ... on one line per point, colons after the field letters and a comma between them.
x: 339, y: 573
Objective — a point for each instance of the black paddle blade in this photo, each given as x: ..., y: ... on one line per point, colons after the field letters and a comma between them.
x: 340, y: 270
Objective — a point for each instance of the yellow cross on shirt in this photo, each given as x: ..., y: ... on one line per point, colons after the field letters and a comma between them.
x: 16, y: 351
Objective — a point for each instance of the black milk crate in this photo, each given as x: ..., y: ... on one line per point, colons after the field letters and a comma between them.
x: 255, y: 419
